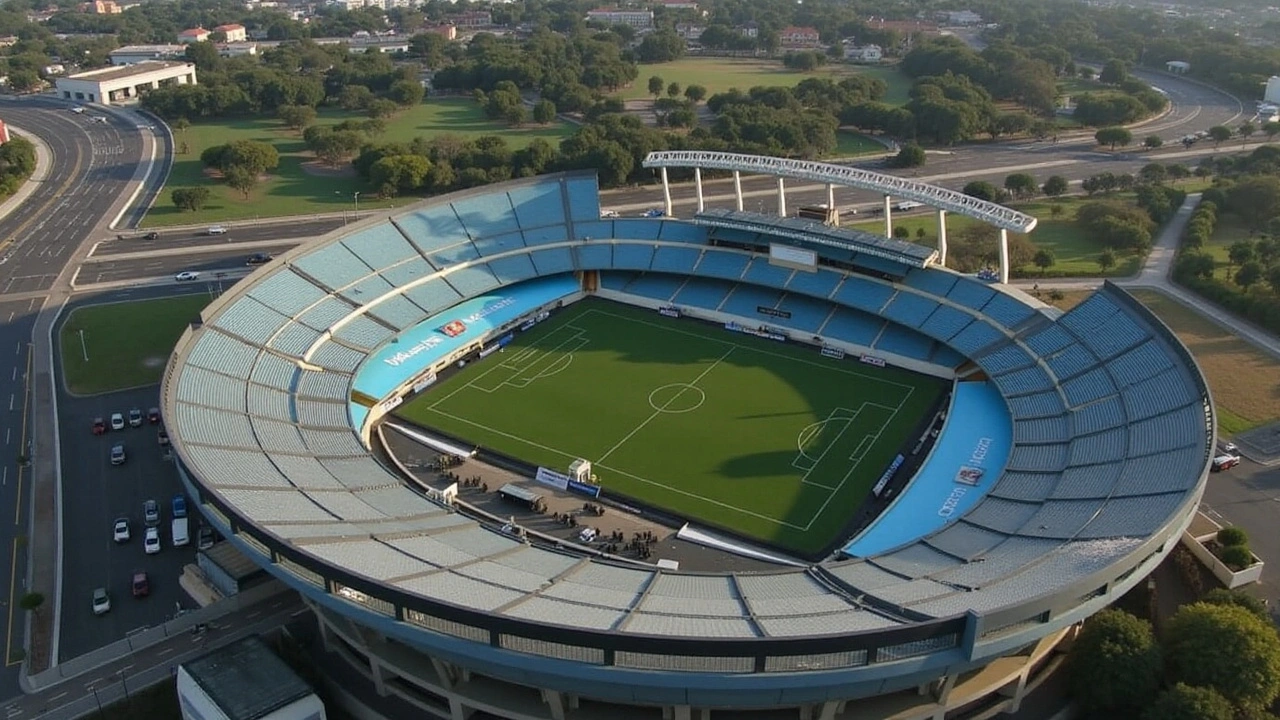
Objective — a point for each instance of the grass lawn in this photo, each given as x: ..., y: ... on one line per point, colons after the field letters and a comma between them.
x: 849, y: 143
x: 1228, y: 230
x: 128, y: 344
x: 772, y: 442
x: 1245, y: 381
x: 291, y: 190
x: 721, y: 74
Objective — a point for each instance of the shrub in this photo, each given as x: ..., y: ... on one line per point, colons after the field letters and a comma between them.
x: 1114, y: 665
x: 1229, y: 536
x: 1236, y: 557
x: 1223, y: 596
x: 1227, y: 648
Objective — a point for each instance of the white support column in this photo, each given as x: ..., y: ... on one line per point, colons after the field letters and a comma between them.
x: 942, y: 238
x: 325, y: 642
x: 831, y: 196
x: 375, y: 669
x: 555, y: 703
x: 888, y: 216
x: 782, y: 198
x: 737, y: 188
x: 666, y: 194
x: 942, y: 688
x: 458, y: 711
x: 445, y: 672
x: 697, y: 185
x: 1004, y: 256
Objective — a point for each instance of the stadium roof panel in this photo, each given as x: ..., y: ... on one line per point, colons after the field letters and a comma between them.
x: 813, y: 232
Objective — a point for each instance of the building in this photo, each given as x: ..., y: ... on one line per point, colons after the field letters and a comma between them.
x: 906, y: 27
x: 864, y: 54
x: 750, y: 30
x: 963, y: 18
x: 1271, y: 95
x: 638, y: 19
x: 1178, y: 67
x: 471, y: 20
x: 679, y: 4
x: 233, y: 33
x: 101, y: 7
x: 448, y: 31
x: 690, y: 31
x: 131, y: 54
x: 191, y: 35
x: 237, y: 49
x: 4, y: 133
x: 123, y: 83
x: 799, y: 37
x: 245, y: 681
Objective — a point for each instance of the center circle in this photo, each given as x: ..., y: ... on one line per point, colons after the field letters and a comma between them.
x: 677, y: 398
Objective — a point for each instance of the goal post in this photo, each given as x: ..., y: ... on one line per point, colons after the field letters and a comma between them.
x: 580, y: 471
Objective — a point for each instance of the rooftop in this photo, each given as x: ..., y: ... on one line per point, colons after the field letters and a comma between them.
x: 118, y: 72
x: 247, y: 680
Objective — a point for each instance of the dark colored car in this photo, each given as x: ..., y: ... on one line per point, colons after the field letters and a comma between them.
x: 99, y: 426
x: 258, y: 259
x: 153, y: 416
x: 141, y: 585
x: 153, y: 236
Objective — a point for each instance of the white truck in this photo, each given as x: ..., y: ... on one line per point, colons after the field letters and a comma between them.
x: 180, y: 534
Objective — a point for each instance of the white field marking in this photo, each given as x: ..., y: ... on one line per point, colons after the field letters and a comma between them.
x: 696, y: 496
x: 508, y: 435
x: 665, y: 405
x: 467, y: 385
x: 557, y: 366
x: 804, y: 479
x: 845, y: 479
x: 805, y: 435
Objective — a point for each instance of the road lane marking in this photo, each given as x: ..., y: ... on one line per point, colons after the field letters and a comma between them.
x: 26, y: 401
x: 59, y: 696
x: 58, y: 197
x: 165, y: 651
x: 13, y: 581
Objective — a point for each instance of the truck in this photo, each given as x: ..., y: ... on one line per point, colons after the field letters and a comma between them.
x: 180, y: 534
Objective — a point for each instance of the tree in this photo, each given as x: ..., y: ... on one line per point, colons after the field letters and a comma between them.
x: 241, y: 178
x: 1113, y: 136
x: 1227, y: 648
x: 355, y: 98
x: 31, y: 602
x: 1044, y: 260
x: 1151, y: 142
x: 901, y: 233
x: 697, y: 93
x: 983, y: 190
x: 516, y: 115
x: 1114, y: 666
x: 1245, y: 131
x: 1106, y: 260
x: 1219, y: 134
x: 1114, y: 72
x: 1055, y: 186
x: 1223, y: 596
x: 401, y: 173
x: 1255, y: 199
x: 544, y: 112
x: 1153, y: 173
x: 1240, y: 252
x: 381, y: 109
x: 255, y: 157
x: 655, y: 86
x: 406, y: 93
x: 189, y: 199
x: 24, y: 80
x: 673, y: 90
x: 911, y: 155
x: 296, y: 117
x: 1271, y: 129
x: 1184, y: 702
x: 1247, y: 276
x: 1021, y: 185
x: 181, y: 125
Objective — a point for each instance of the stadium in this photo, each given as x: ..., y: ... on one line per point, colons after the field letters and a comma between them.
x: 943, y: 475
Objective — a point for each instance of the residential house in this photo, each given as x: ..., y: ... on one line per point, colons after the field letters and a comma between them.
x: 638, y: 19
x: 193, y: 35
x: 750, y: 30
x: 679, y: 4
x: 233, y: 33
x: 963, y: 18
x: 864, y: 54
x: 689, y: 31
x: 477, y: 19
x: 799, y: 37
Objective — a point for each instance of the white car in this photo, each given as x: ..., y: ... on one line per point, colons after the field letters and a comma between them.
x: 151, y: 541
x: 186, y: 275
x: 117, y: 421
x: 609, y: 214
x: 77, y: 109
x: 216, y: 230
x: 121, y: 530
x: 101, y: 602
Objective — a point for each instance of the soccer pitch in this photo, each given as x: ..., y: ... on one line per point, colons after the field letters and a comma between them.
x: 773, y: 442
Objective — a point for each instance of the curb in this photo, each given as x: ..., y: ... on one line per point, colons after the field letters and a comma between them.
x: 44, y: 160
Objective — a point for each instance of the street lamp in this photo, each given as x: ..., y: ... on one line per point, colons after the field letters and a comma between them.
x: 357, y: 201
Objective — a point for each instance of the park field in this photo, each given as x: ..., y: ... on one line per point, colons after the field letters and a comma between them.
x: 126, y: 344
x: 721, y: 74
x: 301, y: 186
x: 772, y: 442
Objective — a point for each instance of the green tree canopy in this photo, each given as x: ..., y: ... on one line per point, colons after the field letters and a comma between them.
x: 1184, y: 702
x: 1227, y: 648
x: 1055, y: 185
x: 1114, y: 665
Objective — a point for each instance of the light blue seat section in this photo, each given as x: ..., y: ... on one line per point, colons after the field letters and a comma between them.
x: 970, y: 293
x: 933, y: 282
x: 325, y: 313
x: 1158, y: 394
x: 946, y: 357
x: 1049, y: 340
x: 819, y: 284
x: 513, y: 269
x: 538, y: 205
x: 744, y: 300
x: 863, y: 294
x: 294, y: 339
x: 398, y: 312
x: 1092, y: 385
x: 1071, y: 361
x: 497, y: 244
x: 380, y: 246
x: 287, y: 292
x: 546, y: 235
x: 584, y: 198
x: 679, y: 260
x: 472, y: 280
x: 223, y: 353
x: 1007, y: 311
x: 631, y: 256
x: 594, y: 230
x: 366, y: 290
x: 363, y: 332
x: 677, y: 231
x: 975, y: 336
x: 909, y: 309
x: 1045, y: 403
x: 655, y: 286
x: 1138, y: 364
x: 1098, y: 416
x: 408, y: 271
x: 552, y: 261
x: 251, y: 320
x: 486, y: 216
x: 1006, y: 358
x: 945, y: 322
x: 1027, y: 381
x: 434, y: 295
x: 334, y: 266
x: 617, y: 280
x: 1088, y: 315
x: 807, y: 314
x: 1161, y: 473
x: 594, y: 257
x: 723, y: 264
x: 274, y: 372
x: 432, y: 228
x: 637, y: 229
x: 878, y: 264
x: 1162, y: 433
x: 455, y: 254
x: 760, y: 272
x: 852, y: 326
x: 701, y: 293
x: 1118, y: 334
x: 333, y: 356
x: 907, y: 343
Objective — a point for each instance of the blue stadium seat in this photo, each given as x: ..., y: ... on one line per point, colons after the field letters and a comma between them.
x: 723, y: 264
x: 744, y: 300
x: 1006, y: 311
x: 636, y: 229
x: 907, y: 308
x: 679, y: 231
x: 863, y: 294
x: 970, y: 293
x: 550, y: 261
x: 679, y: 260
x: 486, y: 216
x: 538, y: 205
x: 807, y: 314
x: 852, y: 326
x: 905, y: 342
x: 655, y: 286
x: 473, y: 280
x: 701, y: 293
x: 632, y: 256
x: 760, y: 272
x: 945, y: 322
x: 380, y: 246
x: 434, y: 295
x: 513, y: 268
x: 498, y: 244
x: 546, y: 235
x: 453, y: 255
x: 594, y: 257
x: 333, y: 266
x: 584, y: 198
x: 934, y: 282
x: 432, y: 228
x: 818, y: 284
x: 617, y: 280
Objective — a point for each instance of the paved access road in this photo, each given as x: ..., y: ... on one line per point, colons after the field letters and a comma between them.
x: 136, y: 241
x: 208, y: 262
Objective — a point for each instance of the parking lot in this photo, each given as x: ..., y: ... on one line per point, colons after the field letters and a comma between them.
x: 94, y: 494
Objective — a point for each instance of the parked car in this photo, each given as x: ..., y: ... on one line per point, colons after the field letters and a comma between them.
x: 151, y: 513
x: 117, y: 421
x: 162, y: 437
x: 153, y: 236
x: 153, y: 416
x: 120, y: 531
x: 179, y: 506
x: 135, y: 417
x: 186, y: 275
x: 151, y: 541
x: 1225, y: 462
x: 117, y: 454
x: 141, y: 585
x: 101, y: 601
x: 609, y: 214
x: 99, y: 426
x: 204, y: 538
x: 1230, y: 448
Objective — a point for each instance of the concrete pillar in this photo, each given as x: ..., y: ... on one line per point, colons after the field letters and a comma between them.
x: 1004, y: 256
x: 1016, y: 690
x: 782, y: 198
x: 666, y: 194
x: 829, y: 709
x: 888, y: 216
x: 573, y: 701
x: 155, y: 84
x: 943, y: 687
x: 682, y: 712
x: 325, y: 642
x: 737, y: 188
x: 942, y: 238
x: 831, y: 196
x: 697, y: 185
x: 375, y: 669
x: 555, y: 703
x: 458, y: 711
x: 445, y: 671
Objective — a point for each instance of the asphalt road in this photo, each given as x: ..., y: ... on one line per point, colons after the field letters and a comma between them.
x: 1248, y: 496
x: 16, y: 321
x: 136, y: 241
x: 207, y: 262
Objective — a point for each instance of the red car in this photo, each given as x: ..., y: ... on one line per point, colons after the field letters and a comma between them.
x: 141, y: 586
x: 99, y: 426
x: 153, y: 416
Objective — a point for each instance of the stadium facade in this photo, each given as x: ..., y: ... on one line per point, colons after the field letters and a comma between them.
x: 1112, y: 430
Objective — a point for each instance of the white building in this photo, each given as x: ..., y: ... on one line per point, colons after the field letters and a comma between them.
x: 130, y: 54
x: 245, y: 681
x: 960, y: 17
x: 196, y: 34
x: 123, y: 83
x: 864, y: 54
x: 234, y: 33
x: 638, y: 19
x: 1272, y: 94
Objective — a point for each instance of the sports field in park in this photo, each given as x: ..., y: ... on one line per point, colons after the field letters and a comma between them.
x: 772, y: 441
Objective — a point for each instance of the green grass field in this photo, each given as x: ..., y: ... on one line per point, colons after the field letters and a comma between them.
x: 770, y: 441
x: 128, y: 344
x: 721, y: 74
x: 293, y: 190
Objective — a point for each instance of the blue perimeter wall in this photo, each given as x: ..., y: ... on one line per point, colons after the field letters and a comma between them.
x: 420, y: 346
x: 974, y: 444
